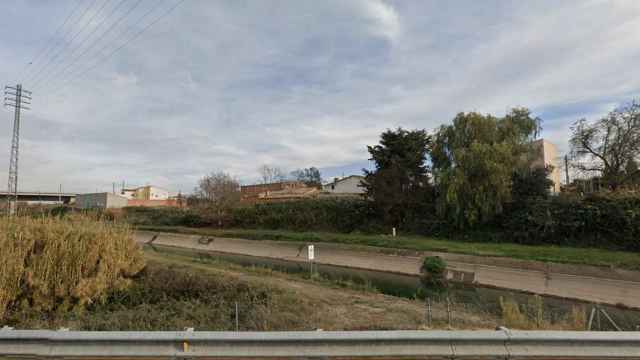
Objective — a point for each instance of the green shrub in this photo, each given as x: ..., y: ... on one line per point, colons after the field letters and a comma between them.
x: 596, y: 221
x: 164, y: 216
x: 433, y: 274
x: 337, y: 215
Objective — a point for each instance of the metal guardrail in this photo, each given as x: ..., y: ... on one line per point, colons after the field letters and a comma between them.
x: 502, y: 344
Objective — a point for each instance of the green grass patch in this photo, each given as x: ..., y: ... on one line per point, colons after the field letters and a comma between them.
x: 546, y: 253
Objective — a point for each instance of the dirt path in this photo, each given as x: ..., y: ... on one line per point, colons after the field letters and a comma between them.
x: 586, y: 283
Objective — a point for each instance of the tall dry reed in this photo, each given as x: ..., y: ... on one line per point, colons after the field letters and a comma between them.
x: 57, y: 264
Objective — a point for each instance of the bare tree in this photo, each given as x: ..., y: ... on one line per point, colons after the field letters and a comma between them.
x: 271, y: 174
x: 218, y: 192
x: 310, y: 176
x: 610, y: 147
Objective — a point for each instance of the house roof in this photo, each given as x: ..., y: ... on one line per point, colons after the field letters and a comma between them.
x: 337, y: 180
x: 142, y: 187
x: 293, y: 182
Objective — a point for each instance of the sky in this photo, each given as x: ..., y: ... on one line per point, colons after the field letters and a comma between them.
x: 217, y: 85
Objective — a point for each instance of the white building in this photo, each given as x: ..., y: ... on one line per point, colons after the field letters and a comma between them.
x: 128, y: 193
x: 148, y: 192
x: 546, y: 154
x: 345, y: 185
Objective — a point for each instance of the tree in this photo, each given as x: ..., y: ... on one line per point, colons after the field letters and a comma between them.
x: 433, y: 274
x: 310, y: 176
x: 399, y: 186
x: 633, y: 171
x: 609, y: 147
x: 218, y: 192
x: 271, y: 174
x: 531, y: 183
x: 474, y: 160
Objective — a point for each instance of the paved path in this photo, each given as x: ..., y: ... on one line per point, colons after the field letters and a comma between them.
x: 587, y: 283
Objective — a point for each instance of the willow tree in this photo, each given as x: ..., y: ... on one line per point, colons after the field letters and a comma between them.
x: 474, y: 160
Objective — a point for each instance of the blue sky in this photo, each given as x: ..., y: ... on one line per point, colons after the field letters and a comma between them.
x: 231, y: 85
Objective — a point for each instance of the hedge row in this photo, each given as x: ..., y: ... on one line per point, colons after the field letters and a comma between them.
x: 311, y: 215
x: 603, y: 222
x: 165, y: 216
x: 594, y: 222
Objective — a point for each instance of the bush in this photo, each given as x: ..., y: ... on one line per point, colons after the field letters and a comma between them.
x: 433, y: 273
x: 597, y: 221
x: 336, y: 215
x: 164, y: 216
x: 50, y: 264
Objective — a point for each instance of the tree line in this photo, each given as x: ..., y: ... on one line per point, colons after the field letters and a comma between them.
x: 465, y: 173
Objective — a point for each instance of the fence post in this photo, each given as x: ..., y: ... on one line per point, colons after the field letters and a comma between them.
x: 448, y: 311
x: 429, y: 316
x: 237, y: 318
x: 591, y: 316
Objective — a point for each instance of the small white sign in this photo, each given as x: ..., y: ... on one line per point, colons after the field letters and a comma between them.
x: 311, y: 254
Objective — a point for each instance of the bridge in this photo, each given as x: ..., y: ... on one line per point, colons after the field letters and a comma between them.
x: 499, y: 344
x: 40, y: 197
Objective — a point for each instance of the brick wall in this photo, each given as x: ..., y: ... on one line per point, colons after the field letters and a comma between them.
x: 156, y: 203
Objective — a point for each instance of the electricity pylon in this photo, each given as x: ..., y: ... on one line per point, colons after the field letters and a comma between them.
x: 16, y: 98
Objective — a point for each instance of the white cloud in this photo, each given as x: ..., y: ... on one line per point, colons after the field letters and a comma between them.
x: 229, y: 85
x: 385, y: 19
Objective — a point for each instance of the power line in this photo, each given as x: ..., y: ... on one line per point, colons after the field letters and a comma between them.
x: 64, y: 36
x: 96, y: 41
x: 118, y: 37
x: 54, y: 57
x: 46, y: 79
x: 71, y: 41
x: 47, y: 46
x: 134, y: 37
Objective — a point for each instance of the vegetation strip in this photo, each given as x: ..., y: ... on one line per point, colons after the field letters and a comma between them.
x: 546, y: 253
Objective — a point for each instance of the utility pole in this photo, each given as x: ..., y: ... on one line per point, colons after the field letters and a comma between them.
x: 566, y: 169
x: 17, y: 98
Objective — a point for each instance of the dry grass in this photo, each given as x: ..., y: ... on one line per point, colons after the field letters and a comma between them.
x: 531, y: 316
x: 51, y: 264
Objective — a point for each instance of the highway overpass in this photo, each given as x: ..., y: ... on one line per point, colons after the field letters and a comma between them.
x: 36, y: 197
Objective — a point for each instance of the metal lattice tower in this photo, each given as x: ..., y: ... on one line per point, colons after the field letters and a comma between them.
x: 16, y: 98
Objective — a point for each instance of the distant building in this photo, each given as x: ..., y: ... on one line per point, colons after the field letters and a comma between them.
x: 546, y: 154
x: 128, y: 193
x: 280, y: 191
x: 346, y: 185
x: 148, y: 192
x: 100, y: 201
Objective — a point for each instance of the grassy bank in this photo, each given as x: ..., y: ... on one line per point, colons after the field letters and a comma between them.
x: 547, y: 253
x: 176, y: 291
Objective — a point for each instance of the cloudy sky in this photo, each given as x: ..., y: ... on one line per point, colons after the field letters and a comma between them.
x: 230, y: 85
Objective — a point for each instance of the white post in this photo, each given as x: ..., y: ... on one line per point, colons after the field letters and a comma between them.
x: 394, y: 232
x: 311, y: 257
